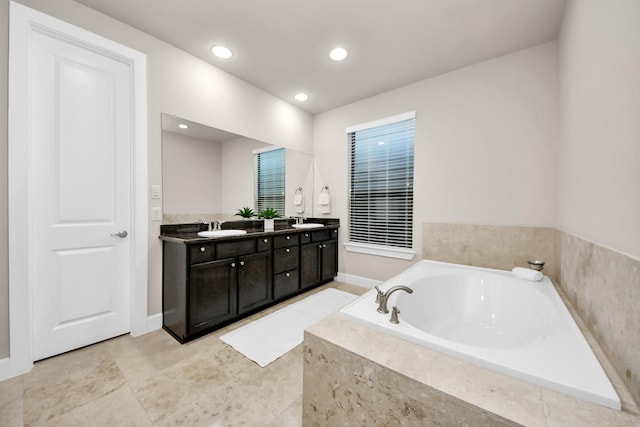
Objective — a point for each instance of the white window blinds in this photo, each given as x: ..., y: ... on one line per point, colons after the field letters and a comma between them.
x: 269, y: 180
x: 381, y: 183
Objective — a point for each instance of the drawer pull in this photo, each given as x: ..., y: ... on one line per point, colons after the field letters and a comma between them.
x: 288, y: 250
x: 202, y: 249
x: 306, y: 234
x: 288, y: 237
x: 266, y: 240
x: 287, y: 274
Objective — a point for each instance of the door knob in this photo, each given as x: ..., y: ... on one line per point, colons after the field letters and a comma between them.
x: 121, y: 234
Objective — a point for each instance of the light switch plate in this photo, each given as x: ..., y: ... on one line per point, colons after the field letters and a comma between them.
x: 156, y: 214
x: 156, y: 192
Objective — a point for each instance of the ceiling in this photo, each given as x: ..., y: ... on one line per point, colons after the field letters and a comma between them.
x: 282, y: 46
x: 171, y: 123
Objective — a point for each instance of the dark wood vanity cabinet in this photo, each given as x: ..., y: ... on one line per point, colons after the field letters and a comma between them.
x: 286, y: 253
x: 212, y: 296
x: 319, y: 257
x: 254, y: 281
x: 210, y: 283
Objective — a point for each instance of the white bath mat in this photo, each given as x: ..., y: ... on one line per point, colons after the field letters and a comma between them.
x: 268, y: 338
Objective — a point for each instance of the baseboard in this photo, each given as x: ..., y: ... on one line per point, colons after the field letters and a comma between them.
x: 10, y: 370
x: 5, y: 368
x: 154, y: 322
x: 357, y: 280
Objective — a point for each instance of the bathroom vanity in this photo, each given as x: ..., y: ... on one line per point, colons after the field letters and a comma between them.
x: 210, y: 282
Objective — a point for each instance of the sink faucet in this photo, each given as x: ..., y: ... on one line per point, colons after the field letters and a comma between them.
x: 215, y: 225
x: 383, y: 297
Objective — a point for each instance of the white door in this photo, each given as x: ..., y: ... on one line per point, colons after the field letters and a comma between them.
x: 81, y: 174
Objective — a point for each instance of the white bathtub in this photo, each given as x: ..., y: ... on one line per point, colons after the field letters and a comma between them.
x: 495, y: 320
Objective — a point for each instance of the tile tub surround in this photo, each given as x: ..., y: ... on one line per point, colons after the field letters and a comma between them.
x: 352, y: 373
x: 604, y: 286
x: 492, y: 246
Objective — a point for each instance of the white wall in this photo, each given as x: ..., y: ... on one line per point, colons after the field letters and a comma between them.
x: 179, y: 84
x: 191, y: 175
x: 485, y: 148
x: 599, y: 163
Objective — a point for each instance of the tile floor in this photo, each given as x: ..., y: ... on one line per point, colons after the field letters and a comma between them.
x: 152, y: 380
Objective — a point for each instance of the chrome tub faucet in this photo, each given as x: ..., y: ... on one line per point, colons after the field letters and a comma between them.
x: 383, y: 297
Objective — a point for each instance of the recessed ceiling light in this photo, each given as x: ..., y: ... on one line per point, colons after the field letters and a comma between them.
x: 301, y: 97
x: 338, y: 53
x: 183, y: 126
x: 221, y: 52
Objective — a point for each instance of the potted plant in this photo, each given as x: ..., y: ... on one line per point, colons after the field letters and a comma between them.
x: 246, y: 212
x: 268, y: 215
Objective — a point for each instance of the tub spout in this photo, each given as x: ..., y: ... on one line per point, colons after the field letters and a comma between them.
x: 384, y: 297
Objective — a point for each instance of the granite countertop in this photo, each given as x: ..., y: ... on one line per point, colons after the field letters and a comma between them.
x: 188, y: 233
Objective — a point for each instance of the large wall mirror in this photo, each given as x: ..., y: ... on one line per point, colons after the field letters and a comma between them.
x: 209, y: 173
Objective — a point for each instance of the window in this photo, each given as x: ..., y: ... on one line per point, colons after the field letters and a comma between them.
x: 381, y: 186
x: 269, y: 179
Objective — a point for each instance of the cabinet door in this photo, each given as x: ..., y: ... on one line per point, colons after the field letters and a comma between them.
x: 329, y: 262
x: 310, y: 264
x: 285, y: 284
x: 211, y: 294
x: 254, y: 281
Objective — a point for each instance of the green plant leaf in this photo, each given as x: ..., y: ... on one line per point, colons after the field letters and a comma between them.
x: 246, y: 212
x: 268, y: 213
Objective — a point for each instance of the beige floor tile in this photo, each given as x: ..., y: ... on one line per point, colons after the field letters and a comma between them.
x: 11, y: 409
x: 139, y: 358
x: 153, y: 380
x: 117, y: 409
x: 60, y: 384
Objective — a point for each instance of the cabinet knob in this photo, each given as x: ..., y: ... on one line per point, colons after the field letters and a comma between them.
x: 306, y: 234
x: 241, y: 262
x: 288, y: 250
x: 319, y: 246
x: 288, y: 237
x: 287, y: 274
x: 266, y: 240
x: 233, y: 265
x: 202, y: 249
x: 324, y: 246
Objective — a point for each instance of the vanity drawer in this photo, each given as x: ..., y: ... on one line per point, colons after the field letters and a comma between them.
x: 285, y: 284
x: 264, y: 244
x: 203, y: 252
x: 284, y: 241
x: 320, y: 235
x: 235, y: 248
x: 305, y: 237
x: 285, y: 259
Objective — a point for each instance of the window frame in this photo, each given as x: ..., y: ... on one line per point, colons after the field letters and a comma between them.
x: 406, y: 253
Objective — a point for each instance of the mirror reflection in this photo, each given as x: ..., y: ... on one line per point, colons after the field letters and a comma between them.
x: 211, y: 174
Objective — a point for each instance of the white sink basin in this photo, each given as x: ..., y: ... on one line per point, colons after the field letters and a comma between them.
x: 308, y: 225
x: 222, y: 233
